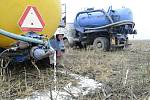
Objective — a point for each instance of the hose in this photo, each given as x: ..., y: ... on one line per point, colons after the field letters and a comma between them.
x: 19, y: 37
x: 107, y: 15
x: 113, y: 24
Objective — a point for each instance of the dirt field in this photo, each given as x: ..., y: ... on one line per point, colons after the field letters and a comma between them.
x: 124, y: 73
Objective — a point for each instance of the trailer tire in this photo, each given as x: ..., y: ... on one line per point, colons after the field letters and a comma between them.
x: 101, y: 43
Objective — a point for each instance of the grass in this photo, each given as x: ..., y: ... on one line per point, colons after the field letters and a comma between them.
x: 125, y: 73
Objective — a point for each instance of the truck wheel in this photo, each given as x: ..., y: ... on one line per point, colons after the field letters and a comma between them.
x: 66, y: 43
x: 101, y: 43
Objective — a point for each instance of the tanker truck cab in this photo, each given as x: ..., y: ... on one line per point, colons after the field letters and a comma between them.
x: 101, y: 29
x: 71, y: 38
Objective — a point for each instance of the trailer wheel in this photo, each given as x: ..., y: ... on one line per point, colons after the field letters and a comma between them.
x: 101, y: 43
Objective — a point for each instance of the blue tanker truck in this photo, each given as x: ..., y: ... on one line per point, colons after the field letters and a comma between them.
x: 101, y: 29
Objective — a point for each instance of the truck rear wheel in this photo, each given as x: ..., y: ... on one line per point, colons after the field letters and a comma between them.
x: 101, y: 43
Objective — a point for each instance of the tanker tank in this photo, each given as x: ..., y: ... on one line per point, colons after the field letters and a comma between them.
x: 91, y: 18
x: 12, y: 10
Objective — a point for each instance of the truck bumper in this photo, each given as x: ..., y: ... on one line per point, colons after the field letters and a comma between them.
x: 119, y: 41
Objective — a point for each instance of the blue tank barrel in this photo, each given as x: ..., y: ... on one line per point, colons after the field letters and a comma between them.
x: 19, y: 37
x: 100, y: 18
x: 121, y: 14
x: 92, y: 18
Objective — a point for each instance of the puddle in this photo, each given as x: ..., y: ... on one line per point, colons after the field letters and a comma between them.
x: 82, y: 86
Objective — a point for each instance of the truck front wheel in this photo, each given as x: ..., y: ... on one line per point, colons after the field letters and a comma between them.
x: 101, y: 43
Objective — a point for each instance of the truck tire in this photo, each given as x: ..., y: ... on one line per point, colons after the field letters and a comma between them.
x: 101, y: 43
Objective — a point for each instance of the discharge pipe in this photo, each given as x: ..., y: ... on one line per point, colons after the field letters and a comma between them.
x: 19, y: 37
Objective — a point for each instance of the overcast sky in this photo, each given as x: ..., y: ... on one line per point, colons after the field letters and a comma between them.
x: 140, y: 9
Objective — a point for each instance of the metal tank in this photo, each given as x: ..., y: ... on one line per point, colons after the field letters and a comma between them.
x: 12, y: 10
x: 91, y: 18
x: 121, y: 14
